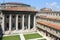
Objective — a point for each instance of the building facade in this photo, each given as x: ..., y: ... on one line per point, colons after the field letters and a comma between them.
x: 17, y: 16
x: 48, y: 23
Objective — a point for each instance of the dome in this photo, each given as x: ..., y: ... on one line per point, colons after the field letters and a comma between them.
x: 12, y: 6
x: 46, y: 9
x: 14, y: 3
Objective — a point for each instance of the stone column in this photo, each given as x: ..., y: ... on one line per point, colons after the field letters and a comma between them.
x: 34, y: 24
x: 23, y: 22
x: 3, y: 17
x: 29, y: 22
x: 10, y: 22
x: 16, y: 22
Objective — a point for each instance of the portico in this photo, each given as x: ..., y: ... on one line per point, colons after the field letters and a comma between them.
x: 14, y: 21
x: 17, y: 16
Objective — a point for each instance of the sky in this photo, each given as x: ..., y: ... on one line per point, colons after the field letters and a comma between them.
x: 38, y: 4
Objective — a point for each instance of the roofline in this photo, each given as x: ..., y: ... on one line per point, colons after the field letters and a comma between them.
x: 14, y: 3
x: 19, y: 11
x: 49, y: 11
x: 49, y: 24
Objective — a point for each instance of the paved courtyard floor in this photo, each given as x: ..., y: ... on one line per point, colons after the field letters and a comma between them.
x: 30, y: 35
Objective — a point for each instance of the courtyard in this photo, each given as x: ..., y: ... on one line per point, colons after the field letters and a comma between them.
x: 28, y: 36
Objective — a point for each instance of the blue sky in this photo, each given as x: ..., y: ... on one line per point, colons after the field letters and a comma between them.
x: 38, y: 4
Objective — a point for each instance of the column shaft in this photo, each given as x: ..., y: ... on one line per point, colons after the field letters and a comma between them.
x: 34, y: 22
x: 29, y: 22
x: 10, y: 21
x: 16, y: 21
x: 3, y: 23
x: 23, y: 22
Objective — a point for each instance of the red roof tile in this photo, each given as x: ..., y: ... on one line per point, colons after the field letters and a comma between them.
x: 19, y: 9
x: 49, y: 18
x: 49, y: 24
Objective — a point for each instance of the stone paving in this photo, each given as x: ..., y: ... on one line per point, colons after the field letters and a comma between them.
x: 22, y: 36
x: 47, y: 38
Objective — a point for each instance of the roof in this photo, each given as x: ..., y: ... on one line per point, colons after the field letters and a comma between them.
x: 19, y: 9
x: 14, y: 3
x: 49, y: 11
x: 46, y: 9
x: 25, y: 7
x: 51, y: 18
x: 49, y: 24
